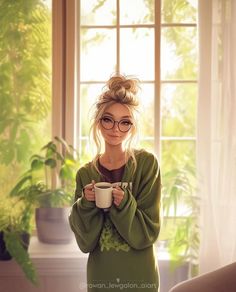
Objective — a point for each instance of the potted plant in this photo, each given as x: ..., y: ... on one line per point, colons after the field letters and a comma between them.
x: 15, y: 237
x: 48, y: 186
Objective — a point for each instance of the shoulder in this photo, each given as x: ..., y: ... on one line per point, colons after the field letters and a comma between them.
x: 147, y: 166
x: 146, y: 162
x: 143, y: 155
x: 85, y: 171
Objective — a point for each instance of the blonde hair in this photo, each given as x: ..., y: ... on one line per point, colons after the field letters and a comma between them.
x: 118, y: 89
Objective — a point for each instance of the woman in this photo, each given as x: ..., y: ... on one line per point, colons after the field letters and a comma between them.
x: 119, y: 240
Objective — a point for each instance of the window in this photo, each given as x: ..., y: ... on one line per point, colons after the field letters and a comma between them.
x: 112, y: 38
x: 157, y: 42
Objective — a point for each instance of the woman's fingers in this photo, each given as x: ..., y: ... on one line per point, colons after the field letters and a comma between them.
x: 118, y: 195
x: 89, y: 186
x: 89, y: 195
x: 89, y: 191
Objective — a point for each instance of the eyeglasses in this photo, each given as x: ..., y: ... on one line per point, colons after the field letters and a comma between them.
x: 123, y: 125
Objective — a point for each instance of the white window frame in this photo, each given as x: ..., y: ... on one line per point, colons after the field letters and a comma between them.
x: 157, y: 26
x: 156, y: 81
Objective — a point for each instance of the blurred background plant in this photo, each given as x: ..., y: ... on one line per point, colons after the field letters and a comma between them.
x: 25, y: 85
x: 181, y: 210
x: 15, y: 231
x: 50, y: 179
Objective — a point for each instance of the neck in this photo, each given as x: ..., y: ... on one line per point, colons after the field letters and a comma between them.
x: 113, y: 154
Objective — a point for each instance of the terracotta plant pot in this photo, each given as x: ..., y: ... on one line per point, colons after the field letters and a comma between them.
x: 53, y: 225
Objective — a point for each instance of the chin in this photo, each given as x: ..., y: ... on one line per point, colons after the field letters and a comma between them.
x: 113, y: 142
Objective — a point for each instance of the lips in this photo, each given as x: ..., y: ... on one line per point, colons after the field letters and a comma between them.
x: 113, y: 136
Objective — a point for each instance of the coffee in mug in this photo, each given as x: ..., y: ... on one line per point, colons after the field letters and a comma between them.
x: 103, y: 194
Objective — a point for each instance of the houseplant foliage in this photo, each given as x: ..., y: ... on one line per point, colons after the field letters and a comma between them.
x: 15, y: 235
x: 49, y: 182
x: 48, y: 186
x: 181, y: 207
x: 24, y: 75
x: 25, y: 98
x: 25, y: 84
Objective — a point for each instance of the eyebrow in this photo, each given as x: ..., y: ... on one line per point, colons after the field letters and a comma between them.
x: 124, y: 117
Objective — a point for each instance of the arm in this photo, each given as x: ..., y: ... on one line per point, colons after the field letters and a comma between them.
x: 85, y: 219
x: 138, y: 219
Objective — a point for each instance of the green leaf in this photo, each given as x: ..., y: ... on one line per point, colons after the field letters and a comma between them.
x: 51, y: 162
x: 66, y: 172
x: 37, y: 164
x: 20, y: 254
x: 15, y: 191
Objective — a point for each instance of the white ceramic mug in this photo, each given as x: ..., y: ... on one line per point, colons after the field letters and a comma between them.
x: 103, y: 194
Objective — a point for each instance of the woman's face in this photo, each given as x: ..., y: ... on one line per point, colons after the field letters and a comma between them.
x: 115, y: 124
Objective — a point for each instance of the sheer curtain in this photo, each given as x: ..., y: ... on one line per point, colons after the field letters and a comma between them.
x: 216, y: 141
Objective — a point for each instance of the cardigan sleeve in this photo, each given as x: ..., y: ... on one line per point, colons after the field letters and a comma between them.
x: 86, y: 220
x: 137, y: 219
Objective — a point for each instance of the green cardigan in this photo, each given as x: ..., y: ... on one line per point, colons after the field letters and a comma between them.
x: 120, y: 242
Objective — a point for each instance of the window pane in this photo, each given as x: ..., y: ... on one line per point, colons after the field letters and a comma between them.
x: 177, y: 155
x: 88, y: 95
x: 137, y: 52
x: 136, y: 12
x: 180, y: 11
x: 179, y: 53
x: 178, y: 108
x: 146, y: 121
x: 96, y: 12
x: 178, y: 176
x: 98, y: 54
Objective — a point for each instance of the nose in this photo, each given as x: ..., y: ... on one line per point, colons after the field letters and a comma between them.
x: 116, y: 128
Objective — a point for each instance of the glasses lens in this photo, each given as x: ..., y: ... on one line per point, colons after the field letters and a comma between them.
x: 107, y: 123
x: 124, y: 125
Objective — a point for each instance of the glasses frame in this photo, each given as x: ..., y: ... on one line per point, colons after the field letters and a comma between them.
x: 114, y: 122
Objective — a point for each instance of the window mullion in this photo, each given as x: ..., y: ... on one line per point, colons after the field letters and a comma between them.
x: 157, y: 89
x: 118, y: 36
x: 70, y: 73
x: 78, y: 140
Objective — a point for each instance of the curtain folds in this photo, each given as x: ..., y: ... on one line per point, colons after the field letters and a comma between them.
x: 216, y: 137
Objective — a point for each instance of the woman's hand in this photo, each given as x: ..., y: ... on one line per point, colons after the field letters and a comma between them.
x: 89, y: 192
x: 118, y: 195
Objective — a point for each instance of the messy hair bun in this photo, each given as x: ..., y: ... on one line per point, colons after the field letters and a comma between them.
x: 120, y: 89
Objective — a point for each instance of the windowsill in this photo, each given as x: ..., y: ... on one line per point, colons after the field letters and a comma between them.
x: 39, y: 250
x: 60, y: 258
x: 50, y: 260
